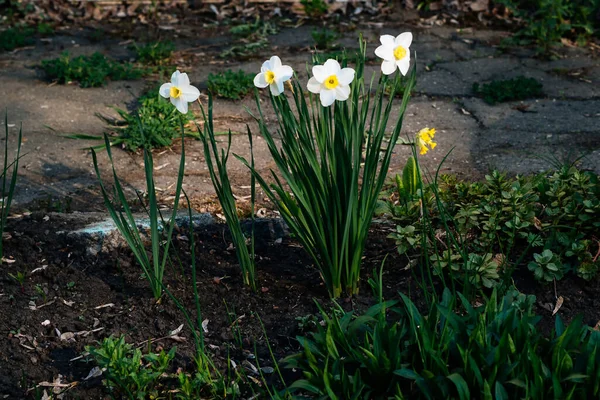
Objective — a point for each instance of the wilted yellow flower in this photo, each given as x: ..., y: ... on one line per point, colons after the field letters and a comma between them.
x: 424, y: 139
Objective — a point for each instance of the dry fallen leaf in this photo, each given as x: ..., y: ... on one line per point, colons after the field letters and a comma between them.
x: 558, y: 305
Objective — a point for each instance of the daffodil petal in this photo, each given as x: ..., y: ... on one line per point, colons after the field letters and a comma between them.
x: 190, y: 93
x: 184, y: 80
x: 275, y: 89
x: 404, y: 40
x: 260, y: 81
x: 332, y: 67
x: 388, y: 67
x: 165, y: 90
x: 388, y: 41
x: 175, y: 78
x: 180, y: 104
x: 385, y: 52
x: 404, y: 64
x: 266, y: 66
x: 327, y: 97
x: 345, y: 76
x: 319, y: 73
x: 275, y: 62
x: 284, y: 73
x: 342, y: 92
x: 313, y: 86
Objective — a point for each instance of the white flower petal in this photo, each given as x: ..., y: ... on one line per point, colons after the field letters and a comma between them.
x: 266, y: 66
x: 319, y: 73
x: 404, y: 65
x: 388, y: 41
x: 260, y: 81
x: 165, y: 90
x: 332, y: 67
x: 175, y: 78
x: 284, y: 73
x: 276, y: 88
x: 388, y: 67
x: 327, y: 97
x: 404, y: 40
x: 313, y: 86
x: 275, y: 63
x: 189, y: 93
x: 184, y: 80
x: 385, y: 52
x: 346, y: 76
x: 180, y: 104
x: 342, y: 92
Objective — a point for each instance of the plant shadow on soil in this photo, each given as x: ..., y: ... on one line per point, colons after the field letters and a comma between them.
x: 76, y: 283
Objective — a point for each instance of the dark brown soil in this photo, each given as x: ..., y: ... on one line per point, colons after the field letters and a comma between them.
x: 78, y: 284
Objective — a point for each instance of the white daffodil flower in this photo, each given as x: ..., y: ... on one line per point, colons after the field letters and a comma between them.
x: 180, y: 91
x: 273, y: 74
x: 331, y: 81
x: 395, y: 53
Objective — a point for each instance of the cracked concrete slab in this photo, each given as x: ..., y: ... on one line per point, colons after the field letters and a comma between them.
x: 477, y: 136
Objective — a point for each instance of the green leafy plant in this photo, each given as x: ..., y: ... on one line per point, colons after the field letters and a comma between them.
x: 510, y: 219
x: 545, y: 22
x: 13, y: 38
x: 154, y: 53
x: 519, y: 88
x: 8, y: 181
x: 324, y: 38
x: 128, y: 371
x: 88, y: 71
x: 230, y: 85
x: 253, y: 38
x: 19, y: 278
x: 314, y: 8
x: 157, y: 117
x: 153, y: 266
x: 546, y: 266
x: 456, y: 351
x: 334, y: 171
x: 222, y: 185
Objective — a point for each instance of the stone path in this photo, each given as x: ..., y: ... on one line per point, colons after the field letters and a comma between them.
x: 515, y: 137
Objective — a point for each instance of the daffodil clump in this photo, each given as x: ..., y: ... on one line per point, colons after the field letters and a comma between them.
x: 333, y: 154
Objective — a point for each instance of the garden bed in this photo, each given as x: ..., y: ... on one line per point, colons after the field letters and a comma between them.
x: 90, y: 296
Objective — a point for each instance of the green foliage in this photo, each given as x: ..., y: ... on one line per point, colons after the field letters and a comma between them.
x: 159, y: 119
x: 155, y: 53
x: 458, y: 351
x: 8, y: 181
x: 12, y: 38
x: 314, y: 8
x: 88, y: 71
x: 230, y: 85
x: 512, y: 219
x: 324, y: 38
x: 129, y: 372
x: 546, y: 22
x: 253, y: 38
x: 546, y: 266
x: 152, y: 265
x: 258, y: 28
x: 333, y: 172
x: 220, y: 179
x: 519, y: 88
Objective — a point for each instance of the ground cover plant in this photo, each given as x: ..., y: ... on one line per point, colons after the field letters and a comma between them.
x: 229, y: 84
x: 88, y: 71
x: 519, y: 88
x: 547, y: 223
x: 546, y: 22
x: 12, y: 38
x: 154, y: 53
